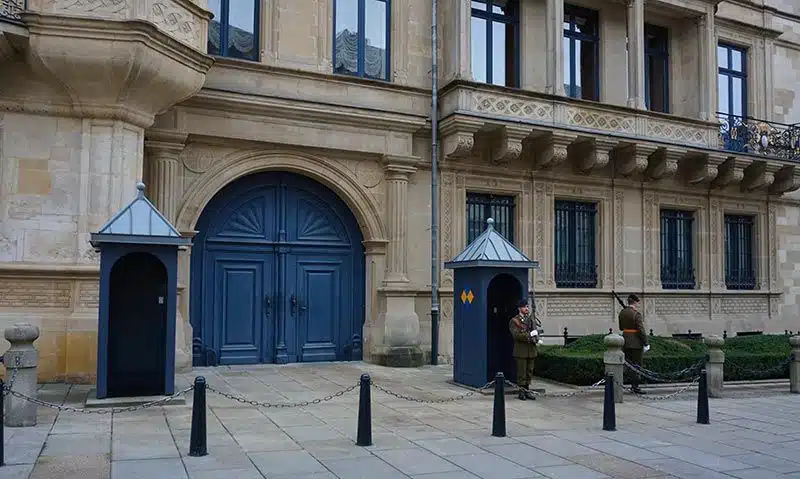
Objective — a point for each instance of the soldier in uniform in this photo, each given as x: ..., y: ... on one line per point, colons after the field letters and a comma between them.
x: 526, y: 337
x: 632, y: 326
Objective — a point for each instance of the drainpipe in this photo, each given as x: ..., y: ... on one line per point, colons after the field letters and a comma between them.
x: 434, y: 188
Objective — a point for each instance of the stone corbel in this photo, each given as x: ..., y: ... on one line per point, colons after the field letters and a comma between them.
x: 632, y: 160
x: 592, y: 154
x: 787, y: 179
x: 758, y: 176
x: 663, y: 163
x: 550, y: 149
x: 730, y: 172
x: 162, y: 152
x: 458, y: 145
x: 507, y: 145
x: 701, y: 169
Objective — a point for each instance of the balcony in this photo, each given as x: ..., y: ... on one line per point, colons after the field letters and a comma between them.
x: 10, y: 10
x: 759, y: 137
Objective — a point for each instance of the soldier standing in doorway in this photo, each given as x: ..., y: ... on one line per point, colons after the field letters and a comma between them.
x: 526, y: 337
x: 632, y: 326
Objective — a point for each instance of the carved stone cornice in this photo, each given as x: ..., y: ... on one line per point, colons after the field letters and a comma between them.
x: 400, y: 167
x: 128, y: 71
x: 632, y: 159
x: 787, y: 179
x: 730, y: 171
x: 506, y: 146
x: 168, y: 141
x: 549, y: 149
x: 663, y: 163
x: 758, y: 176
x: 701, y: 168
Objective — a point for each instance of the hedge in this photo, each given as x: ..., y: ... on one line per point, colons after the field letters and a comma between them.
x: 746, y: 358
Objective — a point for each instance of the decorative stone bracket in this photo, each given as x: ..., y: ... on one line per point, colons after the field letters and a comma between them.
x: 758, y: 176
x: 663, y: 163
x: 787, y: 179
x: 631, y: 160
x: 592, y: 154
x: 700, y: 169
x: 506, y: 145
x: 550, y: 149
x: 730, y: 172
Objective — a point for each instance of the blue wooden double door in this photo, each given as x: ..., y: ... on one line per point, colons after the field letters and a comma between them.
x: 277, y: 273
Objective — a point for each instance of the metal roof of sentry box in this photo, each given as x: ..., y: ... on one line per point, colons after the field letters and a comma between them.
x: 491, y: 249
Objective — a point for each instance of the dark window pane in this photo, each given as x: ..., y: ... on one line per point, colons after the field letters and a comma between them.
x: 732, y: 83
x: 575, y: 261
x: 581, y: 62
x: 481, y: 207
x: 494, y: 42
x: 739, y: 265
x: 375, y: 59
x: 657, y: 68
x: 241, y: 29
x: 677, y: 244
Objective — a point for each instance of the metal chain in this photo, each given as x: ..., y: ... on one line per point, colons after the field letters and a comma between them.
x: 244, y: 400
x: 113, y: 410
x: 431, y: 401
x: 570, y: 394
x: 665, y: 377
x: 776, y: 369
x: 665, y: 396
x: 12, y: 376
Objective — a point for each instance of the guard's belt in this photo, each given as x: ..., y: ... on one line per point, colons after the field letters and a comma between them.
x: 630, y: 330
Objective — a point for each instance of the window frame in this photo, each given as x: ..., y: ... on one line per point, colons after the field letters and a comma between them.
x: 573, y: 11
x: 730, y: 74
x: 362, y: 42
x: 575, y: 280
x: 751, y: 221
x: 488, y: 201
x: 662, y: 55
x: 511, y: 21
x: 224, y: 25
x: 666, y: 258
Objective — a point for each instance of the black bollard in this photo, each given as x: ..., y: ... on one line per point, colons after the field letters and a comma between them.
x: 197, y: 438
x: 702, y: 399
x: 364, y: 437
x: 2, y: 422
x: 609, y: 407
x: 499, y: 410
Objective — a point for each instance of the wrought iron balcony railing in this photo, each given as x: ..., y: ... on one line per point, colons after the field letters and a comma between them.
x: 10, y: 10
x: 677, y: 277
x: 760, y: 137
x: 576, y: 275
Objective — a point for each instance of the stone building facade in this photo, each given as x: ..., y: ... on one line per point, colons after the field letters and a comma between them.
x: 292, y: 139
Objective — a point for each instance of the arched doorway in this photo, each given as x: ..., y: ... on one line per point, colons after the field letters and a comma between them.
x: 137, y: 326
x: 501, y: 303
x: 277, y: 274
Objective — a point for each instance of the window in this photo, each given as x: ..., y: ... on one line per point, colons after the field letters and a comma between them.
x: 361, y: 41
x: 739, y: 267
x: 495, y: 41
x: 581, y: 53
x: 677, y: 262
x: 732, y: 96
x: 233, y: 32
x: 656, y: 68
x: 481, y: 207
x: 575, y: 265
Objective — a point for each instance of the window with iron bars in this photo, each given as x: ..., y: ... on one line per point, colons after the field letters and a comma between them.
x: 677, y: 256
x: 739, y: 265
x: 575, y: 254
x: 481, y: 207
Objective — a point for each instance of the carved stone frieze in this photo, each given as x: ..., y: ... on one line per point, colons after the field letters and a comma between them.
x: 730, y: 172
x: 749, y: 306
x: 600, y: 120
x: 514, y: 107
x: 696, y: 306
x: 680, y: 133
x: 619, y: 240
x: 579, y: 306
x: 177, y: 21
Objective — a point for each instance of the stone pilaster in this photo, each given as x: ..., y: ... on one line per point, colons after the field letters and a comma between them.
x: 162, y: 151
x: 707, y: 65
x: 398, y: 316
x: 555, y: 47
x: 636, y: 54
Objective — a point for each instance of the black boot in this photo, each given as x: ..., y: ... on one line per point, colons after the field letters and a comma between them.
x: 529, y: 394
x: 522, y: 395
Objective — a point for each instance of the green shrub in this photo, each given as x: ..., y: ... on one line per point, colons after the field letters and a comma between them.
x: 746, y: 358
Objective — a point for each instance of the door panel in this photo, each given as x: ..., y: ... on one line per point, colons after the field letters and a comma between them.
x: 319, y: 281
x: 242, y: 313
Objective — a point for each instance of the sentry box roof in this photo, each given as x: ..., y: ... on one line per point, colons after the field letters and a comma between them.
x: 490, y: 249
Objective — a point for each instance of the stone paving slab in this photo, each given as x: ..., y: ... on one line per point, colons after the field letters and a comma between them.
x: 752, y: 433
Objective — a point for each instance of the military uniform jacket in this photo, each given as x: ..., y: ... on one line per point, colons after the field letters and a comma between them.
x: 524, y: 345
x: 632, y: 326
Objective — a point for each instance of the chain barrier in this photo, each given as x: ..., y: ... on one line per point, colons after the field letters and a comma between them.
x: 433, y: 401
x: 774, y: 370
x: 12, y: 376
x: 114, y: 410
x: 666, y: 377
x: 244, y: 400
x: 577, y: 392
x: 665, y: 396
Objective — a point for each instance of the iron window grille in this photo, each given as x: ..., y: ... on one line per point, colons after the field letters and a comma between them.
x: 227, y: 39
x: 582, y: 53
x: 739, y: 265
x: 575, y: 249
x: 481, y: 207
x: 495, y: 42
x: 355, y: 52
x: 677, y: 256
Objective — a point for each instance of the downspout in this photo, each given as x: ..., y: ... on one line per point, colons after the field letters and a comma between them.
x: 434, y: 188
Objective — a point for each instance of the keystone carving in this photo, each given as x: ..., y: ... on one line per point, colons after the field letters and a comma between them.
x: 632, y: 159
x: 701, y: 169
x: 507, y: 145
x: 758, y: 176
x: 550, y: 149
x: 592, y: 154
x: 787, y: 179
x: 730, y: 172
x: 663, y: 163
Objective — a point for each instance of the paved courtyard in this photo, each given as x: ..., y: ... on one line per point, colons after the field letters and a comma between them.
x: 753, y: 435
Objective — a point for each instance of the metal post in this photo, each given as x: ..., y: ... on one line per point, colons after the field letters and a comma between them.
x: 702, y: 399
x: 609, y: 406
x: 434, y: 187
x: 499, y: 410
x: 197, y: 438
x: 2, y: 420
x: 364, y: 434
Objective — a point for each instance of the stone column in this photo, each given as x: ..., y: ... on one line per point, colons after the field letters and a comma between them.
x: 614, y: 360
x: 162, y: 152
x: 554, y: 27
x: 715, y: 365
x: 707, y: 65
x: 399, y: 318
x: 636, y: 54
x: 794, y: 365
x: 21, y: 361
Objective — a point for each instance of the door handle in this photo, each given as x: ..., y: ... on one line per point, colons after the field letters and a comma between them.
x: 267, y: 304
x: 293, y: 302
